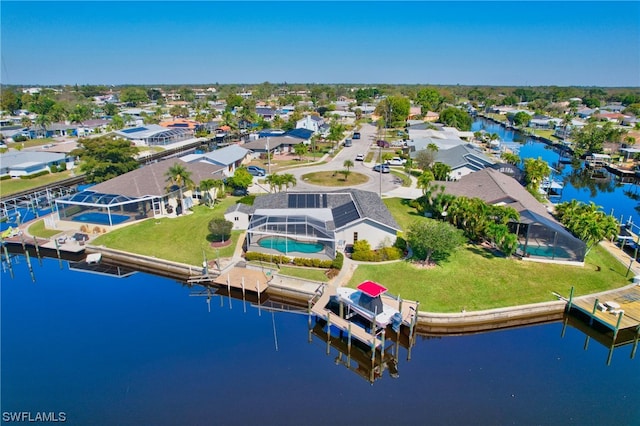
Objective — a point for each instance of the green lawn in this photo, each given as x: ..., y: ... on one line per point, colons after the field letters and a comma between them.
x: 182, y: 239
x: 331, y: 178
x: 305, y: 273
x: 37, y: 229
x: 474, y: 279
x: 11, y: 186
x: 404, y: 214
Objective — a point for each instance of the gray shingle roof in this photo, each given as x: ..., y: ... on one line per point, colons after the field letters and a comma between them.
x: 367, y: 203
x: 464, y: 155
x: 151, y: 180
x: 494, y: 187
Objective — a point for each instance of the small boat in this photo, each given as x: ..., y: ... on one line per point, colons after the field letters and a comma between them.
x: 367, y: 302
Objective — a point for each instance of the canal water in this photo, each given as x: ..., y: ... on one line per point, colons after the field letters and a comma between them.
x: 607, y: 191
x: 143, y: 350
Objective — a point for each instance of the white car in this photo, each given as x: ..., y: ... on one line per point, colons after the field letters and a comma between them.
x: 396, y: 161
x: 360, y: 157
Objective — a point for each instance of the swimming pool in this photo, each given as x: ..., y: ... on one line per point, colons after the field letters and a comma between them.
x: 547, y: 251
x: 287, y: 245
x: 100, y: 218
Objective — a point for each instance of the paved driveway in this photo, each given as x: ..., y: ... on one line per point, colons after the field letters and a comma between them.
x: 378, y: 182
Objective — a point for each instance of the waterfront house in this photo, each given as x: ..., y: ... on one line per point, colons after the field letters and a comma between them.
x: 541, y: 237
x: 155, y: 135
x: 25, y: 163
x: 136, y: 195
x: 324, y: 221
x: 463, y: 160
x: 229, y: 158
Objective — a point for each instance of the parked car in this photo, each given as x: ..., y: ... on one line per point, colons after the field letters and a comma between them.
x: 360, y: 157
x: 256, y: 171
x: 382, y: 143
x: 356, y: 135
x: 239, y: 192
x: 396, y: 161
x: 382, y: 168
x: 347, y: 142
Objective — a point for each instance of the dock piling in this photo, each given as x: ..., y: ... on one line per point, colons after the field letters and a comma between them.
x: 328, y: 332
x: 6, y: 256
x: 593, y: 311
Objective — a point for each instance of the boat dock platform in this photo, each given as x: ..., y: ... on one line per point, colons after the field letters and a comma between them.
x: 375, y: 338
x: 616, y: 310
x: 235, y: 278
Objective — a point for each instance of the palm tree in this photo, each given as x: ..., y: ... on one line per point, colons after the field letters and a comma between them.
x: 424, y: 181
x: 289, y: 179
x: 178, y: 175
x: 207, y: 185
x: 274, y: 181
x: 300, y: 149
x: 348, y: 164
x: 43, y: 120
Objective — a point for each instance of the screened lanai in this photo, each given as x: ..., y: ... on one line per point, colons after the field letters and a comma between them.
x: 542, y: 239
x: 105, y: 209
x: 292, y: 232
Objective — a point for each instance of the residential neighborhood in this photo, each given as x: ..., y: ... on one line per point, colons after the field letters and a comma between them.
x: 298, y: 213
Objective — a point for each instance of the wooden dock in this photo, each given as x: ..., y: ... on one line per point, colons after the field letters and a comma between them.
x: 235, y: 278
x: 616, y: 310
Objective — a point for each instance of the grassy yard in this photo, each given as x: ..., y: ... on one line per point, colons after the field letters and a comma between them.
x: 37, y: 229
x: 473, y: 278
x: 330, y: 178
x: 11, y: 186
x: 404, y: 214
x: 305, y: 273
x: 182, y: 239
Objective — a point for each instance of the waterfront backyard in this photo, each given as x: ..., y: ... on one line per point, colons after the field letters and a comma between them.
x: 473, y: 278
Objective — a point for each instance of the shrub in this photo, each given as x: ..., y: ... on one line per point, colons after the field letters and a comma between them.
x: 390, y: 253
x: 62, y: 167
x: 53, y: 168
x: 265, y: 257
x: 338, y: 261
x: 19, y: 138
x: 400, y: 244
x: 247, y: 199
x: 220, y: 229
x: 35, y: 175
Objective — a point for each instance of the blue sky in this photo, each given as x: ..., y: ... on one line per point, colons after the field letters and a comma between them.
x: 475, y: 43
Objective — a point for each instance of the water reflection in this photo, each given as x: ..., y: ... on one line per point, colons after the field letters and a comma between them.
x: 583, y: 178
x: 604, y: 189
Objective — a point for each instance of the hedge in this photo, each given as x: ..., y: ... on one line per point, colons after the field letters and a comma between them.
x: 298, y: 261
x: 35, y: 175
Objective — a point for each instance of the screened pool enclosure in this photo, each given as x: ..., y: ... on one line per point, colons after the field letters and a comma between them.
x: 542, y: 239
x: 106, y: 209
x: 293, y: 233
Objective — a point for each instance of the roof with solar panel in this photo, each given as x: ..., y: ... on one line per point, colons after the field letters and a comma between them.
x: 345, y: 206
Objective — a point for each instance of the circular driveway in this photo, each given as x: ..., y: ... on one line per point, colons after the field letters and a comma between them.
x: 378, y: 182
